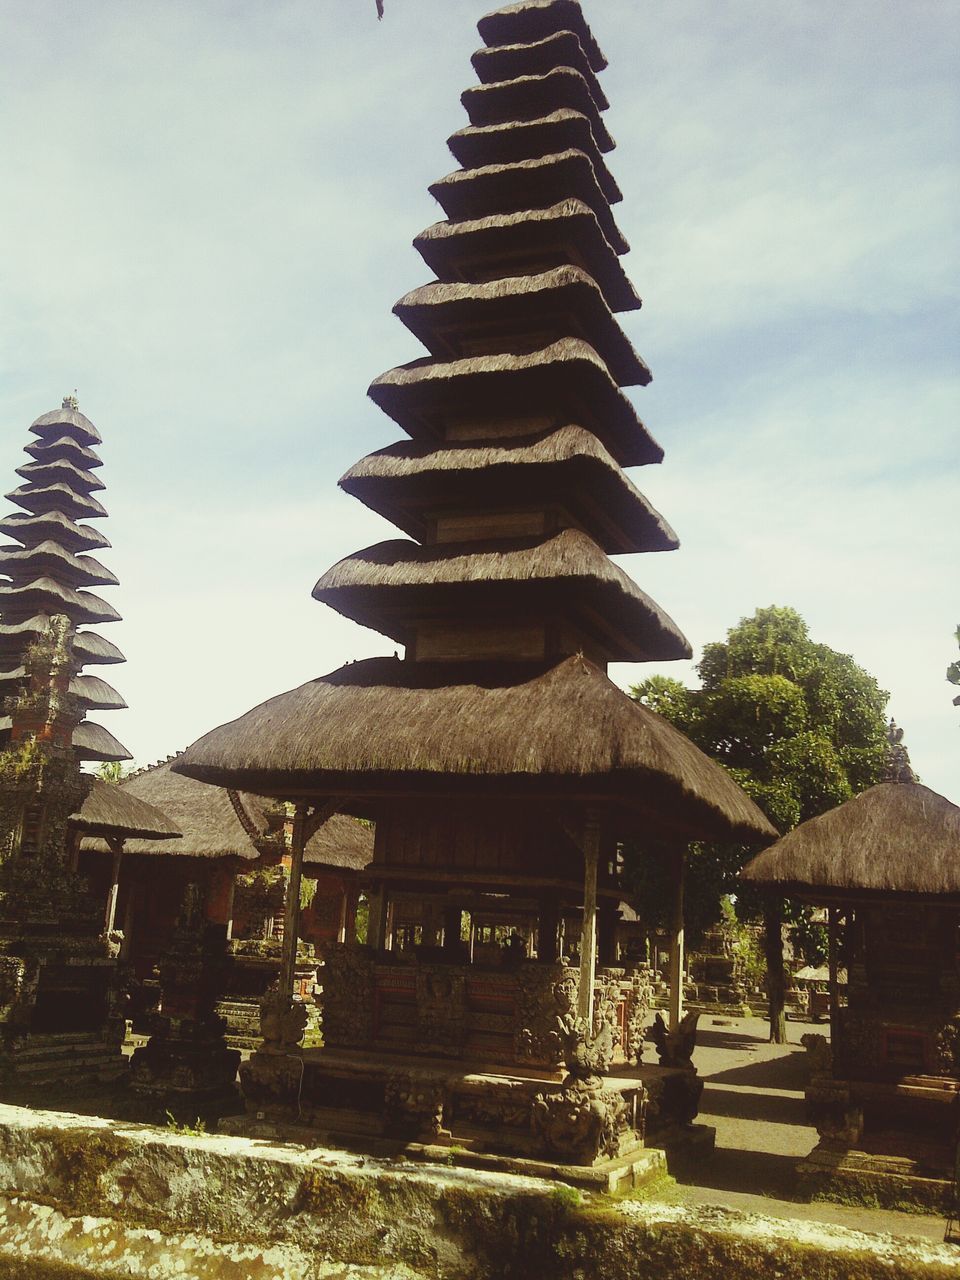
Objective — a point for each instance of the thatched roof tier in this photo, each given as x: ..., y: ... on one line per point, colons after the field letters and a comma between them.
x: 60, y: 470
x: 533, y: 20
x: 113, y: 812
x: 95, y: 694
x: 94, y: 649
x: 385, y: 727
x: 476, y: 398
x: 216, y: 824
x: 45, y: 593
x: 507, y: 244
x: 455, y: 320
x: 49, y: 557
x: 66, y: 422
x: 530, y: 97
x: 497, y: 144
x: 895, y: 838
x: 93, y: 742
x: 64, y: 447
x: 57, y: 497
x: 392, y: 586
x: 537, y: 57
x: 410, y: 483
x: 468, y: 194
x: 31, y: 529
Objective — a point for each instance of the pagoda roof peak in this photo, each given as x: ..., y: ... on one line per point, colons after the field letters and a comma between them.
x: 532, y: 20
x: 70, y: 421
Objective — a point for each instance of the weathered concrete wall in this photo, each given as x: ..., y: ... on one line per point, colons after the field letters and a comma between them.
x: 82, y: 1197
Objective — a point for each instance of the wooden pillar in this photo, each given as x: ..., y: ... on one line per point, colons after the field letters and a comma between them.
x: 607, y: 917
x: 548, y: 931
x: 350, y: 901
x: 110, y: 913
x: 588, y: 934
x: 377, y: 919
x: 451, y: 928
x: 833, y: 965
x: 291, y: 913
x: 676, y: 942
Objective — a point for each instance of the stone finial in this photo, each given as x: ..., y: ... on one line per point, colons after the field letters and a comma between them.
x: 899, y: 768
x: 71, y: 402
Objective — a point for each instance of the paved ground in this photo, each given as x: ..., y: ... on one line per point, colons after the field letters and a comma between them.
x: 753, y: 1096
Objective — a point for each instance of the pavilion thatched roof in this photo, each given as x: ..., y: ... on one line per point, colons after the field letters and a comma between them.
x: 564, y: 302
x: 532, y: 20
x: 111, y: 811
x: 559, y: 49
x: 898, y: 837
x: 568, y: 465
x: 568, y: 230
x: 74, y: 424
x: 386, y: 726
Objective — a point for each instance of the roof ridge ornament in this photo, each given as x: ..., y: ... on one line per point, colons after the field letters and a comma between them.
x: 71, y: 402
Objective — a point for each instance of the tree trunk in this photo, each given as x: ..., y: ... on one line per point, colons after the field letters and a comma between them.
x: 773, y: 947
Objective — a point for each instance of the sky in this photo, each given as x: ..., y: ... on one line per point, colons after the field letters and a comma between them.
x: 206, y: 216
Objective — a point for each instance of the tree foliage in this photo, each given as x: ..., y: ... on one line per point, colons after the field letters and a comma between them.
x: 953, y: 671
x: 801, y: 727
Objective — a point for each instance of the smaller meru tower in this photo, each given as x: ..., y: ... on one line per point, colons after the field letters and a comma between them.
x: 58, y: 987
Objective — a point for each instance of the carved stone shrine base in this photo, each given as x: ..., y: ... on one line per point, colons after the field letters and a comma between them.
x: 191, y: 1069
x: 539, y: 1115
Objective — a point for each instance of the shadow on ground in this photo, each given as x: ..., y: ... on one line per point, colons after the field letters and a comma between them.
x: 754, y: 1172
x: 741, y: 1105
x: 789, y: 1072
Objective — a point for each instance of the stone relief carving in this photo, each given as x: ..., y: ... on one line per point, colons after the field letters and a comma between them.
x: 348, y: 991
x: 414, y: 1105
x: 675, y: 1048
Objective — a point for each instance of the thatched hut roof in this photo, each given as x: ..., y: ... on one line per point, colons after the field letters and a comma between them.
x: 565, y: 302
x: 385, y: 726
x: 111, y: 811
x: 95, y: 694
x: 390, y: 585
x: 66, y: 422
x: 569, y: 467
x: 532, y: 20
x: 63, y: 447
x: 216, y: 824
x: 52, y: 470
x: 537, y: 57
x: 94, y: 649
x: 895, y: 838
x: 566, y: 231
x: 527, y: 184
x: 49, y: 557
x: 53, y: 524
x: 479, y: 145
x: 57, y: 497
x: 563, y: 382
x: 530, y: 97
x: 46, y: 593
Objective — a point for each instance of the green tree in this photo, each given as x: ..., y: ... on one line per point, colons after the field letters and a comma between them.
x: 801, y: 727
x: 953, y: 671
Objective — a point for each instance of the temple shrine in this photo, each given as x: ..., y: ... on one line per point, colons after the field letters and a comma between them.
x: 501, y: 765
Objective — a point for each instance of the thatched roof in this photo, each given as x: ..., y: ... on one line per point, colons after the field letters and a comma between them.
x: 66, y: 422
x: 52, y: 524
x: 93, y: 742
x: 93, y: 648
x: 111, y: 811
x: 567, y: 231
x: 898, y: 837
x: 569, y: 467
x: 533, y: 19
x: 479, y: 145
x: 537, y: 57
x: 565, y: 302
x: 49, y: 556
x: 52, y: 470
x: 216, y: 825
x: 530, y: 97
x: 564, y: 382
x: 95, y: 694
x: 58, y: 497
x: 385, y: 726
x: 537, y: 183
x: 47, y: 593
x: 387, y: 585
x: 63, y: 447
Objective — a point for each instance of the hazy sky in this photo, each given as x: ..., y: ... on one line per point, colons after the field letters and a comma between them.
x: 207, y: 210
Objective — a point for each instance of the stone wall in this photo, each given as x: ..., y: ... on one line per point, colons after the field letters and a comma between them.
x: 82, y: 1197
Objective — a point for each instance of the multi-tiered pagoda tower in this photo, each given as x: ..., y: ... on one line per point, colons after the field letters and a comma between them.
x: 58, y: 975
x: 501, y: 764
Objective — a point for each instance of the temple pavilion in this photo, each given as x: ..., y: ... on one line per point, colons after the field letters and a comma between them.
x: 885, y: 1091
x: 501, y: 764
x: 60, y: 1000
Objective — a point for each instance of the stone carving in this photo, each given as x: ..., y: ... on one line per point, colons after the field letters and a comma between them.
x: 282, y: 1022
x: 675, y: 1048
x: 947, y: 1043
x: 413, y: 1105
x: 441, y: 1009
x: 348, y: 991
x: 545, y: 995
x: 819, y: 1054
